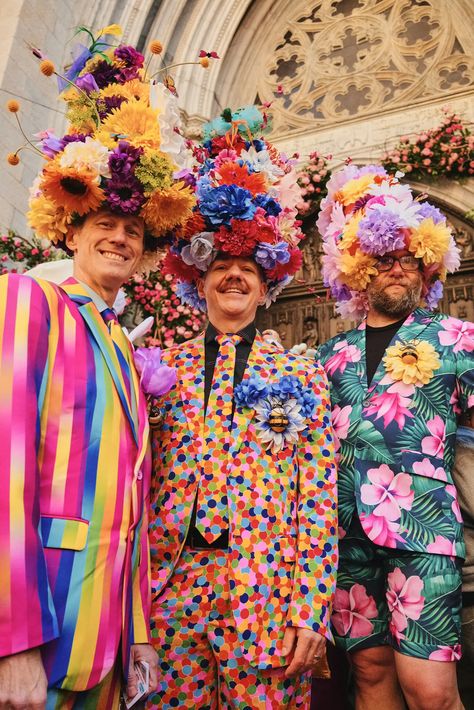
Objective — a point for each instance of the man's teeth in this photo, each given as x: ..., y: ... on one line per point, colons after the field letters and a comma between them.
x: 112, y: 255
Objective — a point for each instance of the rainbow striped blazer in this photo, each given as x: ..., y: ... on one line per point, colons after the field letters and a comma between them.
x: 74, y: 486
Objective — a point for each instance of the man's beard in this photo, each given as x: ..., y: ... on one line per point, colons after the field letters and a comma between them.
x: 395, y: 306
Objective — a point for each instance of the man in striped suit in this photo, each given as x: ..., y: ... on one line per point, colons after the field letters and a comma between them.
x: 74, y: 467
x: 74, y: 479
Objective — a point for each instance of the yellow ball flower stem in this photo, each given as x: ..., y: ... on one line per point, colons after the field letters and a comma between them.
x: 32, y: 145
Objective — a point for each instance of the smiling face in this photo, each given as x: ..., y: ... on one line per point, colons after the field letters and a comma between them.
x: 395, y: 293
x: 107, y: 250
x: 233, y: 289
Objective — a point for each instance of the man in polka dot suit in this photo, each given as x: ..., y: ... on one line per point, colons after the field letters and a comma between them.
x: 242, y: 536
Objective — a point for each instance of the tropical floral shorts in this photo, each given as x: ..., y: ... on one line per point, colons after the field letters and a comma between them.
x: 408, y: 600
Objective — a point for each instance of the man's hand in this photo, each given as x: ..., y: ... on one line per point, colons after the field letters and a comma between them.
x: 142, y: 652
x: 23, y: 684
x: 303, y: 647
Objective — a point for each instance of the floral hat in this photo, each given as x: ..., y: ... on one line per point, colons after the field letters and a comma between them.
x: 122, y: 146
x: 246, y: 206
x: 368, y: 213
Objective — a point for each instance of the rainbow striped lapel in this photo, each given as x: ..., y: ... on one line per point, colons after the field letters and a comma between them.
x: 101, y: 335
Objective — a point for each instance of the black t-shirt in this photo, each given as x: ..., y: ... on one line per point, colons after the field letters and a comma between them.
x: 376, y: 342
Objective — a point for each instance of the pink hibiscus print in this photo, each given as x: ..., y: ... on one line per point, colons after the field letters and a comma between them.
x: 451, y: 490
x: 426, y: 468
x: 442, y: 546
x: 352, y: 611
x: 404, y: 598
x: 396, y: 633
x: 380, y: 530
x: 392, y: 404
x: 340, y: 423
x: 446, y: 653
x: 387, y: 491
x: 455, y: 399
x: 346, y: 353
x: 458, y: 333
x: 434, y: 445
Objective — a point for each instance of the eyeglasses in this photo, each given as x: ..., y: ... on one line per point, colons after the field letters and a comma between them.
x: 408, y: 263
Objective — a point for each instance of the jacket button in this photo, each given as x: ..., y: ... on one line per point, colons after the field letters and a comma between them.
x: 139, y: 475
x: 366, y: 402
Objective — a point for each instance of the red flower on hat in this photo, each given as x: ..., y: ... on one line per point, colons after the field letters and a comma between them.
x: 174, y: 265
x: 239, y: 240
x: 288, y: 269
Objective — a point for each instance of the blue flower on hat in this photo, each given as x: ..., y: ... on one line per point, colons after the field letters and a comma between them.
x: 220, y: 204
x: 269, y: 204
x: 269, y: 255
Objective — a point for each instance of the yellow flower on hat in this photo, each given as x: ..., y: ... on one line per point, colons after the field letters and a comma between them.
x: 357, y: 270
x: 72, y: 188
x: 430, y: 241
x: 169, y: 208
x: 47, y: 219
x: 110, y: 30
x: 135, y: 122
x: 349, y: 234
x: 413, y: 362
x: 134, y: 89
x: 354, y: 189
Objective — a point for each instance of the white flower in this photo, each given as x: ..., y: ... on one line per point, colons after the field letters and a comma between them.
x: 260, y: 161
x: 296, y: 422
x: 200, y: 252
x: 169, y: 118
x: 90, y: 154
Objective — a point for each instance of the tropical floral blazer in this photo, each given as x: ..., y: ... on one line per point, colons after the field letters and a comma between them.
x: 397, y: 435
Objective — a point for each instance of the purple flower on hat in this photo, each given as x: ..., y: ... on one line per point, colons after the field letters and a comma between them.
x: 130, y: 56
x: 123, y: 159
x: 434, y: 294
x: 220, y: 204
x: 124, y: 194
x: 186, y: 176
x: 87, y: 83
x: 50, y: 144
x: 108, y: 103
x: 269, y: 255
x: 104, y: 74
x: 380, y: 232
x: 156, y: 379
x: 428, y: 211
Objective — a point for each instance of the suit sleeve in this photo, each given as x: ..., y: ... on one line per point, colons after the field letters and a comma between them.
x: 317, y: 555
x: 141, y: 585
x: 465, y: 371
x: 27, y: 615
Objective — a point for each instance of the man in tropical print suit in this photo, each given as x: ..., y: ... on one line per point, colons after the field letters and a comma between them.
x: 398, y: 383
x: 242, y: 527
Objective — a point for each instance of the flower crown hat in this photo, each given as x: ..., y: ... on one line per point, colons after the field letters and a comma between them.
x: 121, y: 148
x: 368, y: 213
x: 246, y: 206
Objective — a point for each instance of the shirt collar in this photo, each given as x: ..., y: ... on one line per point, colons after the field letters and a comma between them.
x: 248, y: 333
x: 97, y: 300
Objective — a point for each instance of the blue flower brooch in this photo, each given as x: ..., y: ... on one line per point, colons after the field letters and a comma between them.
x: 281, y: 408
